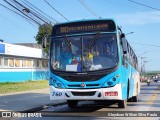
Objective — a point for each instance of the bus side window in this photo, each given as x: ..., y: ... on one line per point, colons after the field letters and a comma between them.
x: 122, y: 52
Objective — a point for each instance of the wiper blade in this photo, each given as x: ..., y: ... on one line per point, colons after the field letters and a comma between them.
x: 68, y: 42
x: 94, y: 41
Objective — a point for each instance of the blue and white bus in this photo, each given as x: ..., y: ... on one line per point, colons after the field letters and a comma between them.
x: 92, y: 60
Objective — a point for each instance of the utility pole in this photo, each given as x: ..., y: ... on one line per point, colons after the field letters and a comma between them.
x: 139, y: 56
x: 142, y: 65
x: 145, y: 62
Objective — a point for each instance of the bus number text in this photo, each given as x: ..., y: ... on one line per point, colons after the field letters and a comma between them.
x: 56, y: 94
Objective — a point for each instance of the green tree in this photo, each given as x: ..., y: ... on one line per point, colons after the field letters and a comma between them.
x: 42, y: 31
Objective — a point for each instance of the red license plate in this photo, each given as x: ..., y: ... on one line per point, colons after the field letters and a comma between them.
x: 111, y: 93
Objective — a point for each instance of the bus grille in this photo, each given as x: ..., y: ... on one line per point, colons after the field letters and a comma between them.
x: 83, y: 78
x: 87, y: 86
x: 84, y: 93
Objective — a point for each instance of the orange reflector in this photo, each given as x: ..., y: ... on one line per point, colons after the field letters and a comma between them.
x: 111, y: 93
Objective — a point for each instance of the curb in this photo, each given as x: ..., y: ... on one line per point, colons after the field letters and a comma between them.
x: 43, y: 107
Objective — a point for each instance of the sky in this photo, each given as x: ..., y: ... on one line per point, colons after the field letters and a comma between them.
x: 143, y: 21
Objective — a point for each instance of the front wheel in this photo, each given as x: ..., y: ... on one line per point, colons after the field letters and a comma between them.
x: 72, y: 103
x: 135, y: 98
x: 122, y: 104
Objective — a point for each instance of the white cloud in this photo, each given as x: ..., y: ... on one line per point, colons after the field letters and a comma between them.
x: 139, y: 18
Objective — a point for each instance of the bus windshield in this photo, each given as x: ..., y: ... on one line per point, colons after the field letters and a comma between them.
x: 84, y: 52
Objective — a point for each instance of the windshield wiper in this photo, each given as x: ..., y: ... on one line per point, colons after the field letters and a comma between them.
x: 94, y: 41
x: 68, y: 43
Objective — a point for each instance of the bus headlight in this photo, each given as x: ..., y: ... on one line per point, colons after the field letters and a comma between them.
x: 109, y: 83
x: 54, y: 81
x: 114, y: 79
x: 57, y: 84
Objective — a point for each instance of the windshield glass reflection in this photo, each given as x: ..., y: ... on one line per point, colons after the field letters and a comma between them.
x: 84, y: 53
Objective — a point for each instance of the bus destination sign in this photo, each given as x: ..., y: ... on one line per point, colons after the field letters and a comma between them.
x: 83, y: 28
x: 92, y: 26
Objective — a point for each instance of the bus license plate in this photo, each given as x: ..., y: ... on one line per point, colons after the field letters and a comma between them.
x: 111, y: 93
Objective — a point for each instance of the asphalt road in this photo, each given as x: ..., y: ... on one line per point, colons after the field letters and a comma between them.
x: 149, y: 104
x: 25, y: 101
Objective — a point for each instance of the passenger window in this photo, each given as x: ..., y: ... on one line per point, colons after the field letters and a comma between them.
x: 11, y: 62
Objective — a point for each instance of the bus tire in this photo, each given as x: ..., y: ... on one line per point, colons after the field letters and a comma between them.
x: 72, y: 103
x: 122, y: 104
x: 128, y: 88
x: 135, y: 98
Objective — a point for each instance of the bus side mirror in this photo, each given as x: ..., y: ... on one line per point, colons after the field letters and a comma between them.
x: 122, y: 35
x: 44, y: 41
x: 124, y: 45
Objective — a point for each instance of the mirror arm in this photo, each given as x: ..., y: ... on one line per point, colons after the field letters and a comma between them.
x: 44, y: 41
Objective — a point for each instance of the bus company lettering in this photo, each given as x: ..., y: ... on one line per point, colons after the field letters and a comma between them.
x: 83, y: 28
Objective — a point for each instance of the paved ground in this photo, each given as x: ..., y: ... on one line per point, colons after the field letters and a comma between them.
x: 23, y: 101
x: 148, y: 108
x: 29, y: 100
x: 149, y: 101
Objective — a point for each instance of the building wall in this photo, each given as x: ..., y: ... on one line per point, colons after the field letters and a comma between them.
x: 21, y: 63
x: 12, y: 75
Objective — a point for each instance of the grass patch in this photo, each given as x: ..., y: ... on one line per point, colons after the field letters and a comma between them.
x: 11, y: 87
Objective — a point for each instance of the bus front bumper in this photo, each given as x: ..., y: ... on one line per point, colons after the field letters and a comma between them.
x: 112, y: 93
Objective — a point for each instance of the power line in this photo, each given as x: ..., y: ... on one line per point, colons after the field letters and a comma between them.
x: 28, y: 11
x: 17, y: 24
x: 145, y: 44
x: 13, y: 11
x: 144, y: 5
x: 36, y: 12
x: 27, y: 19
x: 91, y: 11
x: 22, y: 12
x: 148, y: 50
x: 56, y: 10
x: 29, y: 5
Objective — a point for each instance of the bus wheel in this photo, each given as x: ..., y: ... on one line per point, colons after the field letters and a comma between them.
x: 128, y: 99
x: 135, y: 99
x: 72, y: 103
x: 122, y: 104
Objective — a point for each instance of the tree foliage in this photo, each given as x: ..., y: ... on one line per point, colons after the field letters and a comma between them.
x: 42, y: 31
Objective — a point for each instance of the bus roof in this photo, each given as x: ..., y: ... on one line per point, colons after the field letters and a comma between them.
x: 97, y: 25
x: 86, y: 20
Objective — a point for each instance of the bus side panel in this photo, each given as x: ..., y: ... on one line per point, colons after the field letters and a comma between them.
x: 131, y: 80
x: 124, y: 70
x: 132, y: 76
x: 124, y: 82
x: 129, y: 75
x: 136, y: 84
